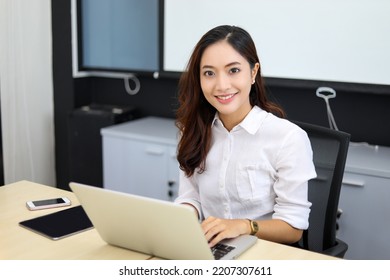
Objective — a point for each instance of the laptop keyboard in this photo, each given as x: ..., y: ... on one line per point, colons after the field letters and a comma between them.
x: 220, y: 250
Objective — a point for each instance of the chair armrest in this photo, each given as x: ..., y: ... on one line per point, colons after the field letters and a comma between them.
x: 338, y: 250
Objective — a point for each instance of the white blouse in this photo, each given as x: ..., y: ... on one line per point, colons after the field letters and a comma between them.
x: 258, y: 170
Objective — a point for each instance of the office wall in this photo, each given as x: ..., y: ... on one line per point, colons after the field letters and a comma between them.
x: 331, y: 40
x: 356, y: 109
x: 359, y: 112
x: 27, y: 91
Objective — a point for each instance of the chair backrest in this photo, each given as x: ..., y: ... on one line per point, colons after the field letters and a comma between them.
x: 330, y: 150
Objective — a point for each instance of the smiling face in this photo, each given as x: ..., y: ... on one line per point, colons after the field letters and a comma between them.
x: 226, y: 79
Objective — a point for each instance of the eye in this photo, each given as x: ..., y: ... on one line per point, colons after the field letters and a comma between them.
x: 234, y: 70
x: 208, y: 73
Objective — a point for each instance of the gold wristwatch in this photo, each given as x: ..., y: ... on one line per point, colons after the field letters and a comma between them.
x: 254, y: 227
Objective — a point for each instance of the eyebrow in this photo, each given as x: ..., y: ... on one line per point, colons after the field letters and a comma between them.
x: 227, y: 65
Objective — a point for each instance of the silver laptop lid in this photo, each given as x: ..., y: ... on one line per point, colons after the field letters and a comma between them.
x: 155, y: 227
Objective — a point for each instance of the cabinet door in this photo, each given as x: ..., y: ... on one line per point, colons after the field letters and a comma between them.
x: 173, y: 173
x: 136, y: 167
x: 115, y: 164
x: 147, y: 174
x: 364, y: 223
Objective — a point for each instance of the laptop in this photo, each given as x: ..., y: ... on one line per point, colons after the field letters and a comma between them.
x: 155, y: 227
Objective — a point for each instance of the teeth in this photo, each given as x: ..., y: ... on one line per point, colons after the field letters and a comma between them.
x: 225, y: 97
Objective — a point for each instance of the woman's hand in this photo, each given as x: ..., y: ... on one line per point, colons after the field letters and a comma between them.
x: 216, y: 229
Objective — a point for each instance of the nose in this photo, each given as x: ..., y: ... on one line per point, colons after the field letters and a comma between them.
x: 223, y: 82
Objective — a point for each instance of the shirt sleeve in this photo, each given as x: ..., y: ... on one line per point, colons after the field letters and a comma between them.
x: 189, y: 193
x: 295, y: 168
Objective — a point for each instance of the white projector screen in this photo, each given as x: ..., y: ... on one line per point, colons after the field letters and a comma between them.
x: 325, y: 40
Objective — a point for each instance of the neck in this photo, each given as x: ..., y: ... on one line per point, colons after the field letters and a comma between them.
x: 231, y: 120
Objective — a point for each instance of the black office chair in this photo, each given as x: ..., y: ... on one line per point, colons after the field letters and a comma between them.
x: 330, y: 150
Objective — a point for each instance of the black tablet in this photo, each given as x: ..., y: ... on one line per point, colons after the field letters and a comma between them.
x: 60, y: 224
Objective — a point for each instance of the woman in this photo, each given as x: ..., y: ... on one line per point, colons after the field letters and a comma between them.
x: 244, y: 168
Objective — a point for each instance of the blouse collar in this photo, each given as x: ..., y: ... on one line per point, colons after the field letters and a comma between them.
x: 251, y: 123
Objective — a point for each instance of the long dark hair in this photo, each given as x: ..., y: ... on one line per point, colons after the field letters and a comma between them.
x: 195, y: 114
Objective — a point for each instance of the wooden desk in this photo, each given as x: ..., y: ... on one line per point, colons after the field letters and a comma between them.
x: 19, y: 243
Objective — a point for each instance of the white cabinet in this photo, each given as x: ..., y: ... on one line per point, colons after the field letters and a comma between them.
x: 365, y: 202
x: 139, y: 157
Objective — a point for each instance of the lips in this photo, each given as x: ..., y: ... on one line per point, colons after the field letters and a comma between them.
x: 225, y: 97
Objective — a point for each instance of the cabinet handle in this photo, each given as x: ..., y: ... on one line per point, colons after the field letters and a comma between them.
x: 352, y: 183
x: 154, y: 151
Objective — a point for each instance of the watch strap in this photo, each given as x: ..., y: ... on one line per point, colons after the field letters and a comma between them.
x: 254, y: 227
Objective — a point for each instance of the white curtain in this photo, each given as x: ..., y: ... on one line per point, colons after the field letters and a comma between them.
x: 27, y: 91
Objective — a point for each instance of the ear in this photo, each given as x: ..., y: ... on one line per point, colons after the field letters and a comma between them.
x: 255, y: 69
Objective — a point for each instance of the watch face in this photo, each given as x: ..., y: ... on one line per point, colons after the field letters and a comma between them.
x: 255, y: 227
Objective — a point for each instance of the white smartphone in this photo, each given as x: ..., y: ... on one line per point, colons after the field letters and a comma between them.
x: 48, y: 203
